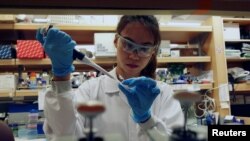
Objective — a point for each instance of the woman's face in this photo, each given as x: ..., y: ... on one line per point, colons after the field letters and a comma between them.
x: 130, y: 64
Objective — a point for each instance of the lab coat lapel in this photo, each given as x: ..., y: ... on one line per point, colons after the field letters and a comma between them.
x: 111, y: 86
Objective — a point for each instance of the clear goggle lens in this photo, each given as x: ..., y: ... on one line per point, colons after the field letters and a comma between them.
x: 131, y: 47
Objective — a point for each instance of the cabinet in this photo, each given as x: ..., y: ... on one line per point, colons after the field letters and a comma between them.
x: 206, y: 36
x: 241, y: 90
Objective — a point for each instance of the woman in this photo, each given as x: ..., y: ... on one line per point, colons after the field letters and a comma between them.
x: 137, y: 104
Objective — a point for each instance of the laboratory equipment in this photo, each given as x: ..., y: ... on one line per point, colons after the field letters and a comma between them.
x: 187, y: 98
x: 85, y: 60
x: 90, y: 110
x: 79, y: 56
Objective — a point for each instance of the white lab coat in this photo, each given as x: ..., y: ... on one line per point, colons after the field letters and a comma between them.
x: 63, y: 120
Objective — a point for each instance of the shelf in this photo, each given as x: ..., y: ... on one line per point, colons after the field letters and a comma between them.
x: 6, y: 26
x: 34, y: 26
x: 190, y: 59
x: 27, y: 92
x: 208, y: 35
x: 242, y: 87
x: 241, y: 21
x: 237, y: 59
x: 33, y: 62
x: 238, y: 41
x: 6, y: 93
x: 112, y: 61
x: 246, y: 120
x: 186, y: 86
x: 7, y: 62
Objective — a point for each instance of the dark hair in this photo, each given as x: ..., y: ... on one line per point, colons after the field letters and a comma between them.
x: 151, y: 23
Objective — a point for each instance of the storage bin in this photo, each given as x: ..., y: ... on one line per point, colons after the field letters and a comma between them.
x: 29, y: 49
x: 7, y: 51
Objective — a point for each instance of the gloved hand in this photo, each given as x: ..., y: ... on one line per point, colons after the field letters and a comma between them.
x: 141, y: 93
x: 59, y: 46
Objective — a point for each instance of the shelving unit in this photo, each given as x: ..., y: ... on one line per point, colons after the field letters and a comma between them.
x: 244, y: 87
x: 205, y: 36
x: 240, y: 60
x: 6, y: 93
x: 7, y: 62
x: 240, y: 88
x: 177, y: 34
x: 24, y: 93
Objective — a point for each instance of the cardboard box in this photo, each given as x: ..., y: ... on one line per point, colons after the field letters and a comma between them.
x: 104, y: 45
x: 231, y: 31
x: 7, y: 18
x: 8, y: 82
x: 186, y: 51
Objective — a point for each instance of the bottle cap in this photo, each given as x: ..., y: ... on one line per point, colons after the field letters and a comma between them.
x: 32, y: 74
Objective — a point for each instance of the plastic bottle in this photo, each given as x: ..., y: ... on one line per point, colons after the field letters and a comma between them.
x: 33, y: 83
x: 32, y: 124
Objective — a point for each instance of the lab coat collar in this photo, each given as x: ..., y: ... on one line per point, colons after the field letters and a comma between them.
x: 111, y: 85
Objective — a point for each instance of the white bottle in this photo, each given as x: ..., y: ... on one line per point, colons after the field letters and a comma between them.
x: 45, y: 77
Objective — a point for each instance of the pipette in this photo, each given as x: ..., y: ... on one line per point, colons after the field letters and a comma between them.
x: 79, y: 56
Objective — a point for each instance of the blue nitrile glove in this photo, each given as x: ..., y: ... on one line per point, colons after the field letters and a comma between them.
x: 141, y: 93
x: 59, y: 46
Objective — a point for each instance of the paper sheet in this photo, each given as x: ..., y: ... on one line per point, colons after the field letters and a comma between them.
x: 41, y: 97
x: 224, y: 105
x: 224, y: 93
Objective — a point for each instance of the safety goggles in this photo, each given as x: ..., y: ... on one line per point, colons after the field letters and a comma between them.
x: 131, y: 47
